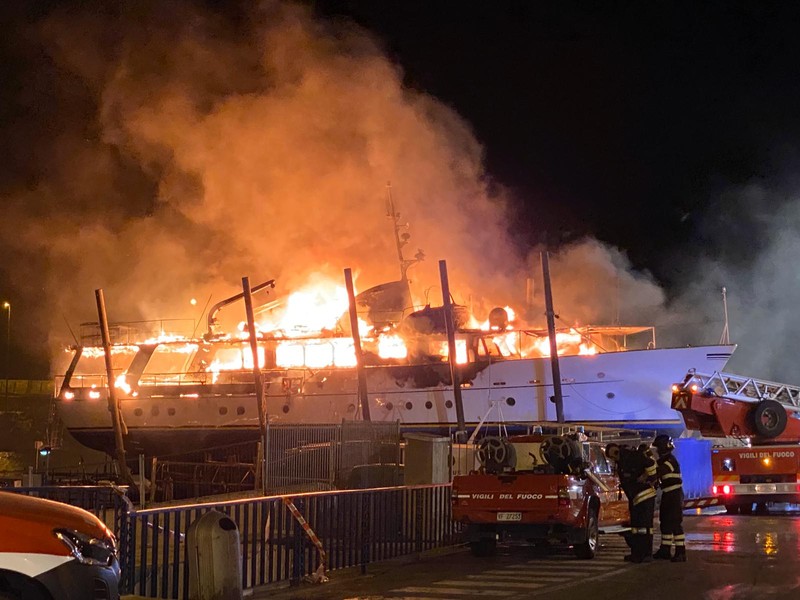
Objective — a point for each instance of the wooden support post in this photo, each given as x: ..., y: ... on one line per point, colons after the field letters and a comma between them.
x: 113, y: 405
x: 363, y: 396
x: 262, y: 410
x: 551, y: 333
x: 461, y: 432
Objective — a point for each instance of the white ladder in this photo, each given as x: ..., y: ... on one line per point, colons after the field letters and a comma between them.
x: 747, y: 389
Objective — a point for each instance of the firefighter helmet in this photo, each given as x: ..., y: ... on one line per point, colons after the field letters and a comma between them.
x: 663, y: 443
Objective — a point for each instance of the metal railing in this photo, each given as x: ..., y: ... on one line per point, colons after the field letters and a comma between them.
x: 355, y: 528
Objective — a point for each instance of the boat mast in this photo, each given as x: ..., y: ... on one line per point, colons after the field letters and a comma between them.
x: 400, y: 239
x: 726, y: 336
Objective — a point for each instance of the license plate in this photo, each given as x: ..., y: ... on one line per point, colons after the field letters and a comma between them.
x: 509, y: 516
x: 766, y: 488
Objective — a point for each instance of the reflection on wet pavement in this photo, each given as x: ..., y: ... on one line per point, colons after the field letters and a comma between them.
x: 746, y: 591
x: 777, y: 535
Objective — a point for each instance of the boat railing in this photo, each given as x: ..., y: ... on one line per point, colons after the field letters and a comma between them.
x: 138, y: 332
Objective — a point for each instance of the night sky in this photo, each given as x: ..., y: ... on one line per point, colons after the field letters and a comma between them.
x: 666, y: 130
x: 623, y: 120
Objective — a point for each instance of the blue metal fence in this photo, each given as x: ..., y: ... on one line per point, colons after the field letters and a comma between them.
x: 355, y: 527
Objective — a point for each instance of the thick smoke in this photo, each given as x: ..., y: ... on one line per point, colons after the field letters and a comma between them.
x: 217, y: 149
x: 749, y: 243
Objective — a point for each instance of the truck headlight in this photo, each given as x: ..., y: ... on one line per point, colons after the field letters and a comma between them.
x: 86, y: 549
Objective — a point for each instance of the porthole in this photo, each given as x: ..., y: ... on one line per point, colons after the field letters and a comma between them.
x: 171, y: 412
x: 137, y: 412
x: 285, y: 408
x: 154, y: 411
x: 409, y: 406
x: 610, y: 395
x: 600, y: 375
x: 511, y: 401
x: 240, y: 410
x: 389, y: 406
x: 351, y: 408
x: 223, y: 410
x: 429, y: 405
x: 449, y: 404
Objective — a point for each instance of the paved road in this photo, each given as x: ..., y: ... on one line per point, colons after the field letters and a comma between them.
x: 730, y: 558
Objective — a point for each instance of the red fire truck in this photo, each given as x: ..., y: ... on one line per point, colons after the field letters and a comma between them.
x: 765, y: 417
x: 555, y: 486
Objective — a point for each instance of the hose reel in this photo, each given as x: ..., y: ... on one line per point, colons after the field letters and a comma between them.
x: 563, y: 454
x: 496, y: 454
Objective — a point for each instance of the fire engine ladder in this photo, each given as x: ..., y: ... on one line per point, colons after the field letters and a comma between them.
x: 746, y: 389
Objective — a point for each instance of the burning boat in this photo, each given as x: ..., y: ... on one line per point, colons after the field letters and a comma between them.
x: 179, y: 392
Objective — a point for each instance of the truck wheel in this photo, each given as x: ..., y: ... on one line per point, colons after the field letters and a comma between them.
x: 588, y: 548
x: 732, y: 509
x: 483, y: 547
x: 769, y: 418
x: 746, y: 509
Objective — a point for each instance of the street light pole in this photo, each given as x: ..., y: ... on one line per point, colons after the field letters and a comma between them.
x: 7, y: 306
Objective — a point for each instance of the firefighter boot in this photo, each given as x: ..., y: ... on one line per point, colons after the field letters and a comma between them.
x: 664, y: 552
x: 641, y: 550
x: 680, y: 554
x: 647, y: 548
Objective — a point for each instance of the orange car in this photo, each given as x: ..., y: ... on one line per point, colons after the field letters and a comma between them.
x: 50, y: 551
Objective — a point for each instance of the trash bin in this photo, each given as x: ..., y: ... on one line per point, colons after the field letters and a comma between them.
x: 427, y: 459
x: 215, y: 558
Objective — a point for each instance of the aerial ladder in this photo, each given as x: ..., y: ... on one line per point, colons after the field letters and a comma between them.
x: 727, y: 405
x: 764, y: 416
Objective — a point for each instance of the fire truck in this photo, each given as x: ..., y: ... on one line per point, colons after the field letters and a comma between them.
x: 553, y: 486
x: 764, y: 417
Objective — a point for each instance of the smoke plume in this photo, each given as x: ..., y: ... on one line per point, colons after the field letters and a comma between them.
x: 185, y: 150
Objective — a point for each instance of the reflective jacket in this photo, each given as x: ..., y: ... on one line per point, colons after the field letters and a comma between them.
x: 669, y: 474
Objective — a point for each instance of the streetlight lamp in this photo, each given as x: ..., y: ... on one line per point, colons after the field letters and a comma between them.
x: 7, y: 306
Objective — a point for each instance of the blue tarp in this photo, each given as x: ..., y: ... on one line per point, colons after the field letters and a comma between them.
x: 694, y: 457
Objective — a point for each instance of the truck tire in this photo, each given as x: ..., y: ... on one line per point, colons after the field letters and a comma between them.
x: 732, y: 509
x: 769, y: 418
x: 483, y: 547
x: 588, y: 548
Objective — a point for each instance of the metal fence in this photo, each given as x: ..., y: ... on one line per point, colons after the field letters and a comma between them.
x: 355, y: 528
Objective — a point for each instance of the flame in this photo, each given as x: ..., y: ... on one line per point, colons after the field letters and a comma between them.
x: 122, y: 383
x: 568, y: 344
x: 309, y: 311
x: 392, y: 346
x: 303, y: 331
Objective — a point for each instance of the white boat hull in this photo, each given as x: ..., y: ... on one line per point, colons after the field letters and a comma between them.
x: 631, y: 388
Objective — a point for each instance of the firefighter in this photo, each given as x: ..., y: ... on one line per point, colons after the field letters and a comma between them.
x: 671, y: 512
x: 637, y: 470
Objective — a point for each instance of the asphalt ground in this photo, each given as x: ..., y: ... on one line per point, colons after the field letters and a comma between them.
x: 730, y: 558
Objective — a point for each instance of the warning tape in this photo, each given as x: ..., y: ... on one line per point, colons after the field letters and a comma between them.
x: 319, y: 574
x: 701, y: 502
